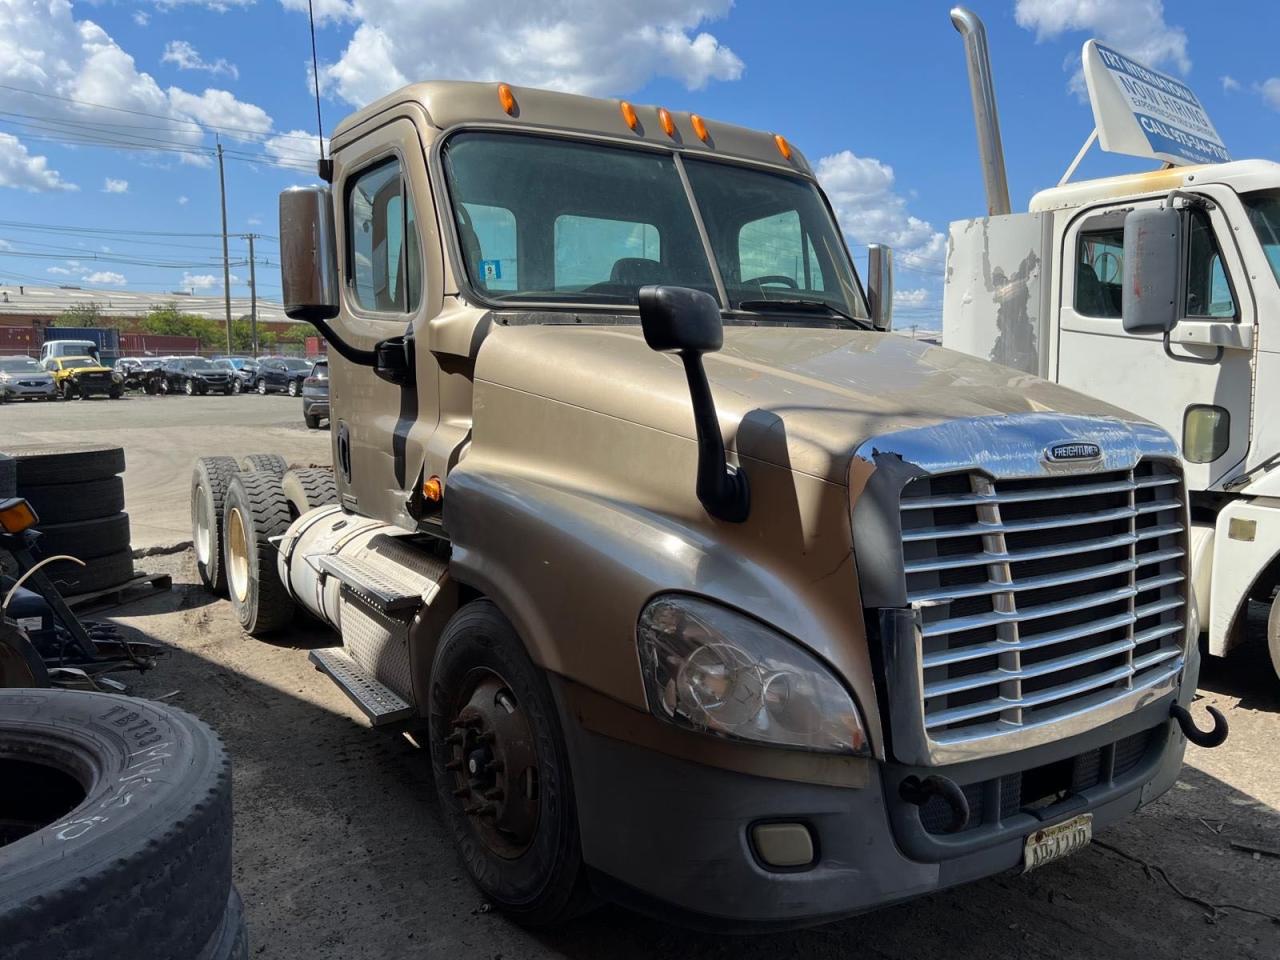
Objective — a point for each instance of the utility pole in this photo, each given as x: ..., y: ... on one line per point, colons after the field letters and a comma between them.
x: 253, y: 299
x: 226, y: 264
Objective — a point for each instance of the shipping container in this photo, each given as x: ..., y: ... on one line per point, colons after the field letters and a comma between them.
x: 107, y: 339
x: 316, y: 347
x: 18, y: 341
x: 157, y: 345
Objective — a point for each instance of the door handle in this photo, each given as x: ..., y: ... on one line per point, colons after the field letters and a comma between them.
x: 1200, y: 333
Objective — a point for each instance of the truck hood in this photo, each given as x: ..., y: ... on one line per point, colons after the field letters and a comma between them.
x: 800, y: 398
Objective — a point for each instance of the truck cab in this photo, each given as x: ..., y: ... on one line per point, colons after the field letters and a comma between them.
x: 702, y: 590
x: 1060, y: 291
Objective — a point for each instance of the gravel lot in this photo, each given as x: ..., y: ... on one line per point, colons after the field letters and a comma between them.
x: 340, y: 851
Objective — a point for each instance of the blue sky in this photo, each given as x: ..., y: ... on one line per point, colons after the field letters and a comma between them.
x: 875, y: 94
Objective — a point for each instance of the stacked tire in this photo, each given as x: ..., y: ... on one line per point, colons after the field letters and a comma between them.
x: 78, y: 494
x: 115, y: 831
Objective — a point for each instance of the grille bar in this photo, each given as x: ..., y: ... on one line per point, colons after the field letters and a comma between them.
x: 1044, y: 596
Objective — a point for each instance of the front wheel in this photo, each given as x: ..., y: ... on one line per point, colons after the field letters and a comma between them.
x: 164, y: 386
x: 262, y: 388
x: 189, y: 388
x: 502, y: 770
x: 1273, y: 634
x: 236, y: 385
x: 114, y: 393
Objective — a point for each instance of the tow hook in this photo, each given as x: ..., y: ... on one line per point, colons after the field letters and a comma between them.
x: 916, y: 791
x: 1201, y: 738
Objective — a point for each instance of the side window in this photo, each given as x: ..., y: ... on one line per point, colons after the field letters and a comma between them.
x: 774, y: 252
x: 384, y: 271
x: 489, y: 243
x: 1208, y: 294
x: 591, y: 250
x: 1099, y: 272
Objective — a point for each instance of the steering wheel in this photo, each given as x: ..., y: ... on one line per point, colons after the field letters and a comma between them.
x: 773, y: 278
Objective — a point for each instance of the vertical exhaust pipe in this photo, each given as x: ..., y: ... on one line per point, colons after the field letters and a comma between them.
x: 985, y: 115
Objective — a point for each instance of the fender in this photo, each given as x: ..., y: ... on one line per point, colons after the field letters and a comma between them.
x: 1246, y: 543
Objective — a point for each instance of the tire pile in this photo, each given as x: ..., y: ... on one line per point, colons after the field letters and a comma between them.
x: 78, y: 494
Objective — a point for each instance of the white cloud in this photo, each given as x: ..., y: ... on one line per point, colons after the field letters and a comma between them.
x: 21, y: 170
x: 109, y: 277
x: 219, y: 6
x: 598, y: 47
x: 1229, y: 83
x: 870, y: 211
x: 186, y: 57
x: 1270, y: 90
x: 220, y: 108
x: 296, y: 146
x: 111, y: 185
x: 182, y: 201
x: 1134, y: 27
x: 141, y: 17
x: 61, y: 271
x: 200, y: 281
x: 911, y: 298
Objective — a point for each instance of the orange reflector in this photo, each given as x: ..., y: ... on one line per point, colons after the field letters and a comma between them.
x: 700, y: 128
x: 507, y: 99
x: 16, y: 515
x: 668, y: 125
x: 433, y: 489
x: 784, y: 148
x: 629, y: 114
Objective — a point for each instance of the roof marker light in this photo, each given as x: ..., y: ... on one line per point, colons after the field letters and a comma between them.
x: 700, y: 128
x: 507, y: 99
x: 629, y: 115
x: 668, y: 124
x: 784, y: 148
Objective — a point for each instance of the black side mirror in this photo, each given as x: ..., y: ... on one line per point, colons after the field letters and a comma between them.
x: 1152, y: 252
x: 687, y: 322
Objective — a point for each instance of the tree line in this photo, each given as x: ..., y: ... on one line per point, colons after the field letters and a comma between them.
x: 172, y: 321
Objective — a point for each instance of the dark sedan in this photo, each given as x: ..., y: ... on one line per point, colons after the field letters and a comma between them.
x: 315, y: 395
x: 189, y: 375
x: 282, y: 374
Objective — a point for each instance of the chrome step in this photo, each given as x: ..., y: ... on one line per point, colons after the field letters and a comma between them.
x: 371, y: 585
x: 378, y: 702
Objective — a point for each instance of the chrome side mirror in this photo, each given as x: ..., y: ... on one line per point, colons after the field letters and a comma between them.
x: 308, y: 254
x: 880, y: 285
x: 1152, y: 251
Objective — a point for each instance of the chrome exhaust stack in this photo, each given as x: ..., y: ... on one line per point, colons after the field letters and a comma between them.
x: 985, y: 115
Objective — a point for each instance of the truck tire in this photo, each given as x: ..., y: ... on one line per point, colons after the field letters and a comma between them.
x: 1273, y: 634
x: 483, y: 685
x: 209, y: 482
x: 256, y: 510
x: 86, y: 539
x: 265, y: 463
x: 308, y: 488
x: 99, y: 573
x: 118, y: 825
x: 67, y: 502
x: 49, y: 463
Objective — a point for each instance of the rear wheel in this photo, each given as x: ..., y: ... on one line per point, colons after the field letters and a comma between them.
x: 1273, y: 634
x: 265, y: 463
x: 502, y: 771
x: 209, y: 482
x: 262, y: 387
x: 189, y: 388
x: 309, y: 488
x: 256, y: 511
x: 293, y: 388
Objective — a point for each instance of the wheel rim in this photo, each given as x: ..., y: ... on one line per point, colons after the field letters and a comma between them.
x: 203, y: 537
x: 493, y: 760
x: 190, y: 388
x: 293, y: 389
x: 237, y: 555
x: 262, y: 386
x: 235, y: 387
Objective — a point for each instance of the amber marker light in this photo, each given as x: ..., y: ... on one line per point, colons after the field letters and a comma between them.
x: 700, y: 128
x: 629, y: 115
x: 433, y: 489
x: 668, y: 124
x: 16, y: 515
x: 784, y: 148
x: 507, y: 99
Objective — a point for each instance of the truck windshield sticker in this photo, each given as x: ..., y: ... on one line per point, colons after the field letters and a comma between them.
x: 490, y: 270
x: 1145, y: 113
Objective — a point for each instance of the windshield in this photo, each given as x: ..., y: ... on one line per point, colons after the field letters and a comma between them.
x: 1264, y: 214
x: 19, y: 365
x: 562, y: 221
x: 298, y: 364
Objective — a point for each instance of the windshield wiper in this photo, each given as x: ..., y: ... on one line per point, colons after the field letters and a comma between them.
x: 802, y: 306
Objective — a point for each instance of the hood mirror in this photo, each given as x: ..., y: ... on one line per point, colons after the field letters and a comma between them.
x: 880, y: 286
x: 308, y: 254
x: 1152, y: 251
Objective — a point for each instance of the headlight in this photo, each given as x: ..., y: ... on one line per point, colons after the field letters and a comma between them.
x: 709, y: 669
x: 1206, y: 432
x: 116, y: 378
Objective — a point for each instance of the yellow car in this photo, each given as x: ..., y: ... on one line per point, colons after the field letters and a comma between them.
x: 83, y: 377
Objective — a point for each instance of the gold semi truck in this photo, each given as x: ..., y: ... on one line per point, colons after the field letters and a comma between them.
x: 702, y: 591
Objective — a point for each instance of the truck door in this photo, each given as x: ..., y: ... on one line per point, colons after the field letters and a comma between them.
x: 387, y: 241
x: 1192, y: 387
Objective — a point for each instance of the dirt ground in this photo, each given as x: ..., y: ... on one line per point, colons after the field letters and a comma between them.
x: 340, y: 851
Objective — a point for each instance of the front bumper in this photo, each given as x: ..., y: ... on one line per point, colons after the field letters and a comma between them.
x: 672, y: 837
x: 20, y: 391
x: 95, y: 387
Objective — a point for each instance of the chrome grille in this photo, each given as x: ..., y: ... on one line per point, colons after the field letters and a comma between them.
x: 1045, y: 597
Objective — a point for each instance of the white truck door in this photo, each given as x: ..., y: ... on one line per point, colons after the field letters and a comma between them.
x: 1097, y: 357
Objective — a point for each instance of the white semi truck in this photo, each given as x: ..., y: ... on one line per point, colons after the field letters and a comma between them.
x: 1158, y: 292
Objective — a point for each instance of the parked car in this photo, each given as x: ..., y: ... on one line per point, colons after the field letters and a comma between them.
x: 135, y: 370
x: 192, y: 376
x: 315, y: 395
x: 244, y: 369
x: 70, y: 348
x: 22, y: 378
x: 282, y: 374
x: 83, y: 377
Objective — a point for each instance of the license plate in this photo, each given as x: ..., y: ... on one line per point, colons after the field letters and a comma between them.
x: 1058, y: 841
